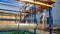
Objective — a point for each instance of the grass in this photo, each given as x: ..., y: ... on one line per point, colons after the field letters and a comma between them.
x: 18, y: 32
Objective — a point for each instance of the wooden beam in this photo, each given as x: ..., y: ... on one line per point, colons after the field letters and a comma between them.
x: 36, y: 3
x: 12, y: 12
x: 45, y: 1
x: 41, y: 0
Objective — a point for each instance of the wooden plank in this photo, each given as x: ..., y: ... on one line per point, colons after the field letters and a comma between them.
x: 36, y: 3
x: 12, y: 12
x: 4, y: 16
x: 41, y: 0
x: 46, y: 0
x: 7, y: 22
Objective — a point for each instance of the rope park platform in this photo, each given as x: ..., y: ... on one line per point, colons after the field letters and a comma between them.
x: 17, y: 25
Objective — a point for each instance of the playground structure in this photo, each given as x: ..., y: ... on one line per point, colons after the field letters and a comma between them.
x: 21, y: 17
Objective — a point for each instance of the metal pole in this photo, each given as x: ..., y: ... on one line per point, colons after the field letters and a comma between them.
x: 34, y: 13
x: 24, y: 13
x: 50, y: 19
x: 20, y: 17
x: 34, y: 17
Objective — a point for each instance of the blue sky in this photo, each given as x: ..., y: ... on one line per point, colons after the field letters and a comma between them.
x: 12, y: 3
x: 56, y: 12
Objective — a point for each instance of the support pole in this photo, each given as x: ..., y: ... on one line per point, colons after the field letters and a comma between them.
x: 34, y: 13
x: 24, y: 13
x: 50, y: 19
x: 34, y: 17
x: 20, y: 17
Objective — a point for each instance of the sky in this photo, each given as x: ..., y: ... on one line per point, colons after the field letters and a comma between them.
x: 56, y: 12
x: 11, y: 3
